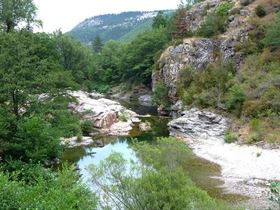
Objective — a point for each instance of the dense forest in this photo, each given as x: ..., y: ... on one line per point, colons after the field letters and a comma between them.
x: 37, y: 71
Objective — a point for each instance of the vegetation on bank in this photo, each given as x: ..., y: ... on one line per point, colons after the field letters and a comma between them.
x: 160, y: 183
x: 251, y: 92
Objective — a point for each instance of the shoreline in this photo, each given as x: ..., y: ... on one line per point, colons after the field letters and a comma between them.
x: 245, y: 170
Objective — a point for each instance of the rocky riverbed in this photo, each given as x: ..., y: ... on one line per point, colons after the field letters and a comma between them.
x: 246, y: 169
x: 107, y: 116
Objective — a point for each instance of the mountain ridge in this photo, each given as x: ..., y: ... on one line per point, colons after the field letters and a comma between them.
x: 122, y: 26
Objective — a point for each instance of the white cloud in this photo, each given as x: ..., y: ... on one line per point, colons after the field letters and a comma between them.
x: 65, y: 14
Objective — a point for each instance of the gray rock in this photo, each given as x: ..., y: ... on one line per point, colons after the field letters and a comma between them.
x: 105, y: 114
x: 145, y: 126
x: 146, y: 100
x: 198, y: 124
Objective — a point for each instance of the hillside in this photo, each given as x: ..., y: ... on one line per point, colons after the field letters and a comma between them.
x: 123, y: 26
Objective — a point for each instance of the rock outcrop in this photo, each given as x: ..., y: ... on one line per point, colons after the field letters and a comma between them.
x: 106, y: 115
x: 196, y: 124
x: 199, y: 52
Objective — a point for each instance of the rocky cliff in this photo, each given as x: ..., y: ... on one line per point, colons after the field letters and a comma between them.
x: 199, y: 52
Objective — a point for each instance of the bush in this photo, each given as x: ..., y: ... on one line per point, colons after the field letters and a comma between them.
x: 216, y: 22
x: 35, y: 140
x: 61, y: 191
x: 256, y: 131
x: 213, y: 25
x: 260, y: 11
x: 87, y: 127
x: 275, y: 193
x: 223, y: 9
x: 245, y: 2
x: 235, y: 99
x: 272, y: 37
x: 160, y: 95
x: 231, y: 137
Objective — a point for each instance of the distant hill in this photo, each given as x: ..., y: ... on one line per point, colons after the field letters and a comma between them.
x: 124, y: 26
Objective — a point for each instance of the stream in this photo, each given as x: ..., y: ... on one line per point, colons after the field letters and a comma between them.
x: 205, y: 174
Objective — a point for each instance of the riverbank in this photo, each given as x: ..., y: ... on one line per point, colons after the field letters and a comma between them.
x: 246, y: 169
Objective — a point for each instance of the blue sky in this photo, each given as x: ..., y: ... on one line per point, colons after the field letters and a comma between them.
x: 65, y: 14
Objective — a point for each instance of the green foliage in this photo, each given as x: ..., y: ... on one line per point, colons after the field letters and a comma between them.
x: 216, y: 22
x: 32, y: 103
x: 76, y: 58
x: 259, y: 81
x: 257, y: 131
x: 260, y: 11
x: 231, y: 137
x: 110, y: 62
x: 124, y: 116
x: 17, y: 14
x: 60, y: 191
x: 178, y: 26
x: 147, y: 188
x: 275, y: 193
x: 272, y: 38
x: 138, y: 63
x: 160, y: 95
x: 97, y: 44
x: 235, y: 99
x: 207, y: 88
x: 160, y: 21
x: 87, y: 127
x: 119, y: 27
x: 223, y: 8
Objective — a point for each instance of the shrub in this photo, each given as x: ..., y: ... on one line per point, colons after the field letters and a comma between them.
x: 160, y: 96
x: 231, y: 137
x: 213, y: 25
x: 275, y: 193
x: 235, y: 99
x: 256, y: 131
x: 245, y: 2
x: 87, y: 127
x: 124, y: 116
x: 223, y: 9
x: 260, y: 11
x: 35, y: 140
x: 61, y: 191
x: 216, y: 22
x: 272, y: 37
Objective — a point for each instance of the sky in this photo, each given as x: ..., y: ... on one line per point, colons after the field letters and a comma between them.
x: 66, y: 14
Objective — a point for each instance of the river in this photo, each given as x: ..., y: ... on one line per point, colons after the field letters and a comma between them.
x: 205, y: 174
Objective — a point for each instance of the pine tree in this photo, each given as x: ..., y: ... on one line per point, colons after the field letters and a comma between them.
x: 97, y: 44
x: 179, y: 27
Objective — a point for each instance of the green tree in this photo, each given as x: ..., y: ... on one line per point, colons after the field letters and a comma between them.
x: 76, y: 59
x: 140, y: 56
x: 97, y: 44
x: 110, y: 62
x: 29, y: 67
x: 48, y: 190
x: 160, y: 20
x: 14, y: 13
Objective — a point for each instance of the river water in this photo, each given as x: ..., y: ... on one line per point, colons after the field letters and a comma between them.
x: 205, y: 174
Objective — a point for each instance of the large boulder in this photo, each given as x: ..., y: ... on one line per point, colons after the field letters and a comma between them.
x: 197, y: 124
x: 105, y: 114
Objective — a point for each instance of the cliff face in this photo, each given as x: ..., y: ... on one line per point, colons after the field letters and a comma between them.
x: 199, y: 52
